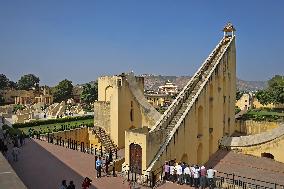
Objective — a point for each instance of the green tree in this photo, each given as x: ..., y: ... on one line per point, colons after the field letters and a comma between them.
x: 90, y: 93
x: 264, y: 97
x: 239, y: 94
x: 2, y: 100
x: 4, y: 82
x: 276, y: 89
x: 63, y: 91
x: 28, y: 81
x: 12, y: 85
x: 274, y: 93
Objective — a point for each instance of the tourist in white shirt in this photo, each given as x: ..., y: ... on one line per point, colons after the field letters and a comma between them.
x: 210, y: 175
x: 179, y: 173
x: 172, y: 172
x: 196, y: 176
x: 186, y: 175
x: 191, y: 175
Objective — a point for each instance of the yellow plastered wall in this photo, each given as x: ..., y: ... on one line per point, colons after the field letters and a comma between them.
x: 274, y: 147
x: 244, y: 102
x: 210, y: 118
x: 116, y: 91
x: 79, y: 134
x: 250, y: 127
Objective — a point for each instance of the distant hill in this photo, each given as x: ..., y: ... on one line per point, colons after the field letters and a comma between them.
x: 152, y: 82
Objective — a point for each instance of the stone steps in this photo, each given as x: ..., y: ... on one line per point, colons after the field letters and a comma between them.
x: 105, y: 140
x: 184, y: 100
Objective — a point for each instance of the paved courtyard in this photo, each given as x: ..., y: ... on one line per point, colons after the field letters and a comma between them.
x: 43, y: 165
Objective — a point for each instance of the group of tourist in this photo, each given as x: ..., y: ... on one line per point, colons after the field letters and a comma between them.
x: 64, y: 185
x: 17, y: 141
x: 103, y: 162
x: 85, y: 185
x: 193, y: 175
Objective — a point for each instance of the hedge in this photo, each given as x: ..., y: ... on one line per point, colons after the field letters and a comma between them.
x: 12, y: 131
x: 258, y: 115
x: 51, y: 121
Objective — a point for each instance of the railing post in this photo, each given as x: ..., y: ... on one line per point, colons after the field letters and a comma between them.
x: 63, y: 142
x: 275, y: 186
x: 96, y: 158
x: 113, y: 169
x: 101, y: 150
x: 153, y: 180
x: 162, y: 174
x: 92, y: 149
x: 234, y: 180
x: 128, y: 176
x: 95, y: 151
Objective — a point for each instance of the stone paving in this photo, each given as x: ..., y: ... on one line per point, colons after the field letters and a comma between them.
x: 43, y: 165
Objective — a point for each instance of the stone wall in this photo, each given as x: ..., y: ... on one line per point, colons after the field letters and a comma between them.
x: 250, y: 127
x: 102, y: 115
x: 84, y: 134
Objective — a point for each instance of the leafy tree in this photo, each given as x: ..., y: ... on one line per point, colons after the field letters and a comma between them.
x: 239, y: 94
x: 264, y: 97
x: 4, y: 82
x: 63, y: 91
x: 2, y: 100
x: 90, y: 93
x: 12, y: 85
x: 274, y: 93
x: 18, y: 107
x: 276, y: 89
x: 27, y: 82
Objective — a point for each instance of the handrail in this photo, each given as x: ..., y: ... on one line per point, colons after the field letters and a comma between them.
x: 180, y: 95
x: 192, y: 101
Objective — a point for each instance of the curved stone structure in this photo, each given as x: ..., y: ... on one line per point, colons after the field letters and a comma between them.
x: 267, y: 144
x: 253, y: 140
x: 150, y: 112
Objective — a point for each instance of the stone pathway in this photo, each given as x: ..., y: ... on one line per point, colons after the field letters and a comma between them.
x: 44, y: 165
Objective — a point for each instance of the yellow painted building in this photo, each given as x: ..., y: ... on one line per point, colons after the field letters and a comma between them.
x: 159, y: 100
x: 202, y: 113
x: 245, y: 102
x: 121, y: 106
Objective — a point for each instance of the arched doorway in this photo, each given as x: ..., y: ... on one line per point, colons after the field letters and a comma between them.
x: 135, y: 157
x: 199, y: 154
x: 108, y: 93
x: 184, y: 158
x: 267, y: 155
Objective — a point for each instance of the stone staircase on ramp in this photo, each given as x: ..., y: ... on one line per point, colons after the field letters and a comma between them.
x: 175, y: 114
x: 105, y: 139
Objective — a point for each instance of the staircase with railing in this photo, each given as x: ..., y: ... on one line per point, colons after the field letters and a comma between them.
x: 105, y: 139
x: 175, y: 114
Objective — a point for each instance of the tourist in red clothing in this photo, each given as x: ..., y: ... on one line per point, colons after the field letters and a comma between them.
x: 86, y: 183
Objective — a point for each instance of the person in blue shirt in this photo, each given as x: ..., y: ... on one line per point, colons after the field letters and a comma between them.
x: 99, y: 167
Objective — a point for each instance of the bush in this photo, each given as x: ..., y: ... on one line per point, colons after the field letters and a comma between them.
x: 261, y: 115
x: 12, y: 131
x: 51, y: 121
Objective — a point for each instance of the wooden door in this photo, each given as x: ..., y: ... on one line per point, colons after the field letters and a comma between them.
x: 135, y: 157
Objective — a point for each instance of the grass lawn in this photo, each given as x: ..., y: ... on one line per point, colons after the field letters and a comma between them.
x: 46, y: 127
x: 264, y: 115
x: 265, y: 112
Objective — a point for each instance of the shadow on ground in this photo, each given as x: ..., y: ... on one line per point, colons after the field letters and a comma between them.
x: 38, y: 168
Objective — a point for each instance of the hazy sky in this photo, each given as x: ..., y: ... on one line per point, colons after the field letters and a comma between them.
x: 81, y: 40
